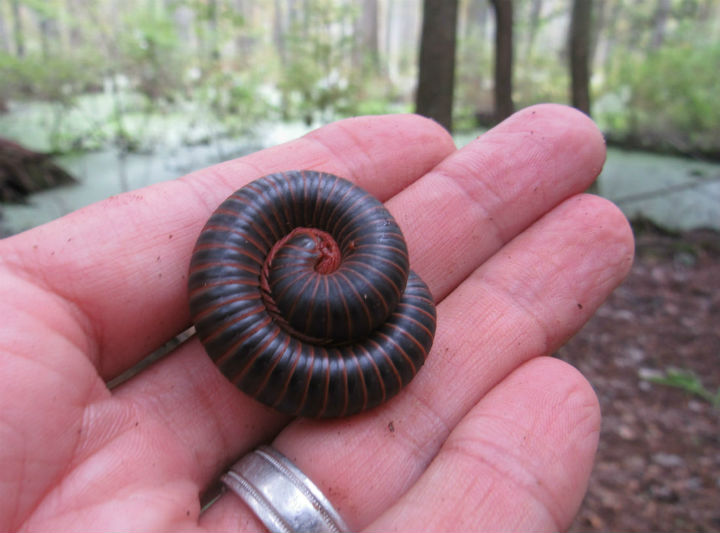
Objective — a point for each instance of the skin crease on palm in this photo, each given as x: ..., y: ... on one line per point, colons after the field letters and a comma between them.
x: 492, y: 434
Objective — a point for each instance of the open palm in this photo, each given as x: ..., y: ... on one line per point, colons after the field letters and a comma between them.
x: 492, y: 433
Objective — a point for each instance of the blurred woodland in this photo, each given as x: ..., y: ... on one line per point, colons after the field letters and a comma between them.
x: 646, y: 71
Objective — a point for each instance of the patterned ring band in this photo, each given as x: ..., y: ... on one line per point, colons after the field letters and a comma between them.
x: 280, y: 495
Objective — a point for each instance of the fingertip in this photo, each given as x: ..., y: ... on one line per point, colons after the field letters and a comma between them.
x: 617, y: 223
x: 548, y: 402
x: 581, y: 250
x: 568, y: 420
x: 563, y: 116
x: 520, y: 460
x: 603, y: 223
x: 560, y: 127
x: 561, y: 390
x: 436, y: 132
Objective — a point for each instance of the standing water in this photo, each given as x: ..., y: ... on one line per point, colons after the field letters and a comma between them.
x: 171, y: 147
x: 675, y: 193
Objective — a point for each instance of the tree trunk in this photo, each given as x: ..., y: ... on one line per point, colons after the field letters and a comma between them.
x: 72, y: 11
x: 18, y: 28
x: 367, y: 54
x: 579, y: 45
x: 389, y: 17
x: 279, y: 31
x: 184, y: 19
x: 49, y: 34
x: 504, y: 106
x: 662, y: 12
x: 212, y: 14
x: 244, y: 41
x: 473, y: 28
x: 4, y: 35
x: 437, y: 61
x: 610, y: 36
x: 533, y: 26
x: 599, y: 19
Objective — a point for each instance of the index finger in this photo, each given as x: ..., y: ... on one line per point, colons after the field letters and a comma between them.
x: 120, y: 265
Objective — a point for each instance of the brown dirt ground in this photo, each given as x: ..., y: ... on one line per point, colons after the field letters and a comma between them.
x: 658, y: 462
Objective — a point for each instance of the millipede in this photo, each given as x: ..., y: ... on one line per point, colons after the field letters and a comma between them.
x: 301, y: 293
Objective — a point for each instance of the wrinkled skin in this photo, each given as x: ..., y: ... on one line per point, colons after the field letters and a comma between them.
x: 493, y: 433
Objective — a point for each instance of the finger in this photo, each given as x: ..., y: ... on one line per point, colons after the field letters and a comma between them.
x: 483, y: 195
x: 211, y: 421
x: 522, y: 303
x: 518, y: 461
x: 121, y: 265
x: 189, y: 395
x: 561, y: 126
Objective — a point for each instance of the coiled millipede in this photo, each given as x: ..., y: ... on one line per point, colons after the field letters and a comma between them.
x: 301, y: 293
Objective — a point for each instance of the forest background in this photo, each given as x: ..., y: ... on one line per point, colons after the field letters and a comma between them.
x: 105, y: 67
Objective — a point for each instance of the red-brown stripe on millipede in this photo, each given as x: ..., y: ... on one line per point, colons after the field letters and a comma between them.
x: 291, y: 323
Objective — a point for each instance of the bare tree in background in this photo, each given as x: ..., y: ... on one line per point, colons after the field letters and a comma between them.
x: 18, y: 28
x: 437, y: 61
x: 579, y: 45
x: 533, y: 27
x: 367, y: 50
x: 73, y: 10
x: 504, y: 106
x: 660, y: 18
x: 4, y: 36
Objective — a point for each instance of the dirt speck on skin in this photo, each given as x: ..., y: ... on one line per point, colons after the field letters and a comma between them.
x: 658, y: 462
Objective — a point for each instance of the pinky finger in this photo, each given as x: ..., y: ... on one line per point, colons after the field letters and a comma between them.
x: 519, y: 461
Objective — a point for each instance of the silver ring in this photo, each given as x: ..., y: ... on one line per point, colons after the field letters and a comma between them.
x: 280, y: 495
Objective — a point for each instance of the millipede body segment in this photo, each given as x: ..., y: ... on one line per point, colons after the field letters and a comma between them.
x: 301, y: 292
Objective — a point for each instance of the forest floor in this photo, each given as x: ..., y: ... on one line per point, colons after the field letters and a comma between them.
x: 658, y: 462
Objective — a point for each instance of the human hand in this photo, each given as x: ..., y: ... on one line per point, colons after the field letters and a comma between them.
x: 492, y: 434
